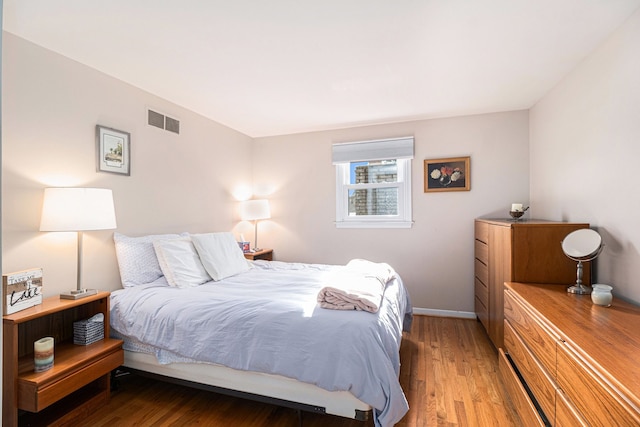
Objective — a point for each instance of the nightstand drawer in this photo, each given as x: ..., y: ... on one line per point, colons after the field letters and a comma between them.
x: 36, y: 392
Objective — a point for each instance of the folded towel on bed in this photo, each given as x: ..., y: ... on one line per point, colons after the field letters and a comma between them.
x: 358, y: 286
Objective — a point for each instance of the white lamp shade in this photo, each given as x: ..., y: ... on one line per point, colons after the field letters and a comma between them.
x: 77, y: 209
x: 251, y: 210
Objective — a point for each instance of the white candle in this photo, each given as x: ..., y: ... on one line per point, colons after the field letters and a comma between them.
x: 43, y: 354
x: 516, y: 207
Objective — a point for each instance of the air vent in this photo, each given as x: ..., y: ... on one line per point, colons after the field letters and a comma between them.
x: 163, y: 122
x: 156, y: 119
x: 172, y: 125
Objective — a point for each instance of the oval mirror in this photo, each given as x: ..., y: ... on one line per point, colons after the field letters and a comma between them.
x: 582, y: 244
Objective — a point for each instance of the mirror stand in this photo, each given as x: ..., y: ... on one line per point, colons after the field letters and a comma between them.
x: 579, y: 288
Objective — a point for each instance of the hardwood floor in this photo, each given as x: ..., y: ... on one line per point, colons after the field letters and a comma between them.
x: 449, y: 375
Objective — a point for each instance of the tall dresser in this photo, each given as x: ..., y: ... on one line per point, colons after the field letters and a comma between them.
x: 520, y: 251
x: 567, y: 362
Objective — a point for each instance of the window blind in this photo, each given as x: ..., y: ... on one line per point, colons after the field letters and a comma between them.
x: 381, y: 149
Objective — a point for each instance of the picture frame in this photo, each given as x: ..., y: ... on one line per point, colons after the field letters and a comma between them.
x: 113, y: 150
x: 449, y: 174
x: 21, y: 290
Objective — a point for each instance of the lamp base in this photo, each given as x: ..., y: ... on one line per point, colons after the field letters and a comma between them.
x: 579, y: 289
x: 77, y: 294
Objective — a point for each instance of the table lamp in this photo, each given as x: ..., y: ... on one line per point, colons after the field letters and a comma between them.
x: 254, y: 210
x: 79, y: 210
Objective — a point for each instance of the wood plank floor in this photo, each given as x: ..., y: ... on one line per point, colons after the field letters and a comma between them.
x: 449, y: 375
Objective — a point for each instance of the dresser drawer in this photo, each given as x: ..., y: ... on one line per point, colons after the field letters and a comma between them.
x: 482, y: 312
x: 482, y: 231
x: 566, y: 414
x: 481, y: 292
x: 536, y: 377
x: 481, y: 251
x: 598, y: 403
x: 481, y: 271
x: 524, y: 407
x: 540, y: 341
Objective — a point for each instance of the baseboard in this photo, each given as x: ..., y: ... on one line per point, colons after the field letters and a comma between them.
x: 444, y: 313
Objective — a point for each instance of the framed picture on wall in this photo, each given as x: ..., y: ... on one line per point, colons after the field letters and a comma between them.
x: 114, y: 148
x: 452, y: 174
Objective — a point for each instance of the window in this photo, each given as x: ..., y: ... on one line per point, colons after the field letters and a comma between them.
x: 373, y: 183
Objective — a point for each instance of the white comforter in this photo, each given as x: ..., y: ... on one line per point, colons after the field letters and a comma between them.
x: 268, y: 320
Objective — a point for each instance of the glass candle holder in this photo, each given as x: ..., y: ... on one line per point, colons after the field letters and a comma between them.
x: 43, y: 354
x: 601, y: 295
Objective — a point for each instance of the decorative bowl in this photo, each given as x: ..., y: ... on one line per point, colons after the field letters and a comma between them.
x: 516, y: 214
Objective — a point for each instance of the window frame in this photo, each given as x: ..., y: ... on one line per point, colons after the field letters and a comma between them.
x: 403, y: 184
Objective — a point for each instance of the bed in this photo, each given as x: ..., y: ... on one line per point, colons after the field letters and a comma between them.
x: 259, y: 333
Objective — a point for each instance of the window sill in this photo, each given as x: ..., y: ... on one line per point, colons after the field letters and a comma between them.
x: 374, y: 224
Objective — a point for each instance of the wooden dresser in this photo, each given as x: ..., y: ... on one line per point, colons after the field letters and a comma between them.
x: 520, y: 251
x: 568, y: 362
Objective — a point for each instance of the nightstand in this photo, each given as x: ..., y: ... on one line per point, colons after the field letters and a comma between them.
x: 264, y: 254
x: 78, y: 382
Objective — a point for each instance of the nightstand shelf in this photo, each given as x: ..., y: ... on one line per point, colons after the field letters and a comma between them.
x: 263, y: 254
x: 78, y: 382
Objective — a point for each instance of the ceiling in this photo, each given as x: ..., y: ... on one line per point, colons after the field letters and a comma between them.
x: 288, y: 66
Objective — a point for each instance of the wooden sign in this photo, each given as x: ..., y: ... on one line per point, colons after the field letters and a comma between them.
x: 22, y: 289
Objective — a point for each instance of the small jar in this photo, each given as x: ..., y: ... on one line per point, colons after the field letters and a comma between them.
x: 601, y: 295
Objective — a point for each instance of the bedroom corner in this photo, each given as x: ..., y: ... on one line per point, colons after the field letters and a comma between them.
x: 67, y: 100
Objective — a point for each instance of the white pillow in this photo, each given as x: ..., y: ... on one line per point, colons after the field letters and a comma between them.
x: 180, y: 263
x: 220, y: 254
x: 137, y: 258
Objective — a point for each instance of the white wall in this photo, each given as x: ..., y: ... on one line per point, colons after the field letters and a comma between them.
x: 585, y: 146
x: 187, y: 183
x: 435, y: 257
x: 51, y: 106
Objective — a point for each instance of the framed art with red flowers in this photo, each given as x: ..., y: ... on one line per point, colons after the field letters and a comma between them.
x: 452, y: 174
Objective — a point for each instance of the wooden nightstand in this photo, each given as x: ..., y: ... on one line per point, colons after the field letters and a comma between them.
x: 80, y: 378
x: 264, y: 254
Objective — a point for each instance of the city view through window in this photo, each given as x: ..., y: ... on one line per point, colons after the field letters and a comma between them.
x: 376, y: 197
